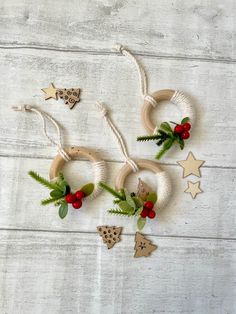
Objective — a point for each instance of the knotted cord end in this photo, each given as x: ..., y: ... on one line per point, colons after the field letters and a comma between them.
x: 119, y: 47
x: 102, y: 108
x: 22, y: 108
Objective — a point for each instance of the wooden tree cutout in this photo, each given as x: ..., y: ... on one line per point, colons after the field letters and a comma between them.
x: 70, y: 95
x: 110, y: 235
x: 143, y: 189
x: 143, y: 246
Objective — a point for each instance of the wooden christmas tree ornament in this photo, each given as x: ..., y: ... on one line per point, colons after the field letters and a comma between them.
x: 143, y: 246
x: 70, y: 96
x: 164, y: 135
x: 110, y: 235
x: 61, y: 193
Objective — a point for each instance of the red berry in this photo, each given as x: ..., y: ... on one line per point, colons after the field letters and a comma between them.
x: 185, y: 135
x: 187, y: 126
x: 77, y: 204
x: 179, y: 128
x: 149, y: 205
x: 70, y: 198
x: 79, y: 195
x: 151, y: 214
x: 144, y: 213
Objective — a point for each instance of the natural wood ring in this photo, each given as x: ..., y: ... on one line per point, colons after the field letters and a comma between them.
x: 164, y: 184
x: 161, y: 95
x: 74, y: 152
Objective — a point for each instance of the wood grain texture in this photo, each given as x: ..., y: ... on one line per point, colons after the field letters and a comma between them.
x: 52, y: 266
x: 211, y: 214
x: 194, y: 29
x: 75, y: 273
x: 210, y: 85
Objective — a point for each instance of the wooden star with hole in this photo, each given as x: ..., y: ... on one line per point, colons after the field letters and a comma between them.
x: 193, y: 188
x: 191, y: 165
x: 50, y: 91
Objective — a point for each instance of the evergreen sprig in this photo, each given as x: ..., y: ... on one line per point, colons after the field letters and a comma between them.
x: 118, y: 212
x: 43, y: 181
x: 165, y: 136
x: 106, y: 187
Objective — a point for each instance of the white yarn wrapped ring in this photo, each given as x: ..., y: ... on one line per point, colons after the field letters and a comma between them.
x: 176, y: 97
x: 73, y: 152
x: 163, y: 180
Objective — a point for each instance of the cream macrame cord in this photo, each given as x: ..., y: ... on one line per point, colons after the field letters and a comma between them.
x: 118, y: 136
x: 43, y: 115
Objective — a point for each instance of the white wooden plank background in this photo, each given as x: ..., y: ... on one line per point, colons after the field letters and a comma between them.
x: 53, y: 266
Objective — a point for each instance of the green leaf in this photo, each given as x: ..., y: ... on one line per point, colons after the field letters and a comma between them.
x: 138, y: 201
x: 63, y: 210
x: 165, y: 126
x: 138, y: 211
x: 87, y: 189
x: 181, y: 143
x: 152, y: 197
x: 125, y: 207
x: 185, y: 120
x: 141, y: 223
x: 129, y: 199
x: 56, y: 194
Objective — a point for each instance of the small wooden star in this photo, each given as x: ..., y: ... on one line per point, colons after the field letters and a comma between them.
x: 50, y: 91
x: 191, y: 165
x: 193, y: 188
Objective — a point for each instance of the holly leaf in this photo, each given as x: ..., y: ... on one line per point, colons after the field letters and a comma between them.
x: 165, y: 126
x: 87, y: 189
x: 126, y: 207
x: 129, y: 199
x: 138, y: 201
x: 63, y: 210
x: 185, y: 120
x: 152, y: 197
x: 56, y: 194
x: 141, y: 223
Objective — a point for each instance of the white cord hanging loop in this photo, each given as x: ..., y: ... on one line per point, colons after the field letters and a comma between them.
x: 152, y: 100
x: 43, y: 115
x: 118, y: 136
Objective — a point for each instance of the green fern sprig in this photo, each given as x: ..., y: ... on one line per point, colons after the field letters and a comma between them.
x: 148, y: 138
x: 43, y: 181
x: 111, y: 191
x: 118, y: 212
x: 50, y: 200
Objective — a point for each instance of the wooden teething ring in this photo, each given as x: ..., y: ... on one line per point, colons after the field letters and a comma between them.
x: 164, y: 185
x: 74, y: 152
x: 168, y: 95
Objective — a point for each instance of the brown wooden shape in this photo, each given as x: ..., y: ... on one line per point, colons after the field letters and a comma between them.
x: 110, y: 235
x: 143, y: 246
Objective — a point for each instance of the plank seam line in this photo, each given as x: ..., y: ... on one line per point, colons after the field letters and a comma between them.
x: 124, y: 234
x: 108, y: 52
x: 111, y: 160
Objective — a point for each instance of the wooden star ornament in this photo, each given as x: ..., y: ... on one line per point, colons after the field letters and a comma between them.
x: 193, y: 189
x: 70, y: 96
x: 191, y: 165
x: 50, y: 92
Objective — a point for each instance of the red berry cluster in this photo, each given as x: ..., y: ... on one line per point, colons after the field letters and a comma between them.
x: 75, y: 199
x: 148, y: 210
x: 183, y: 130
